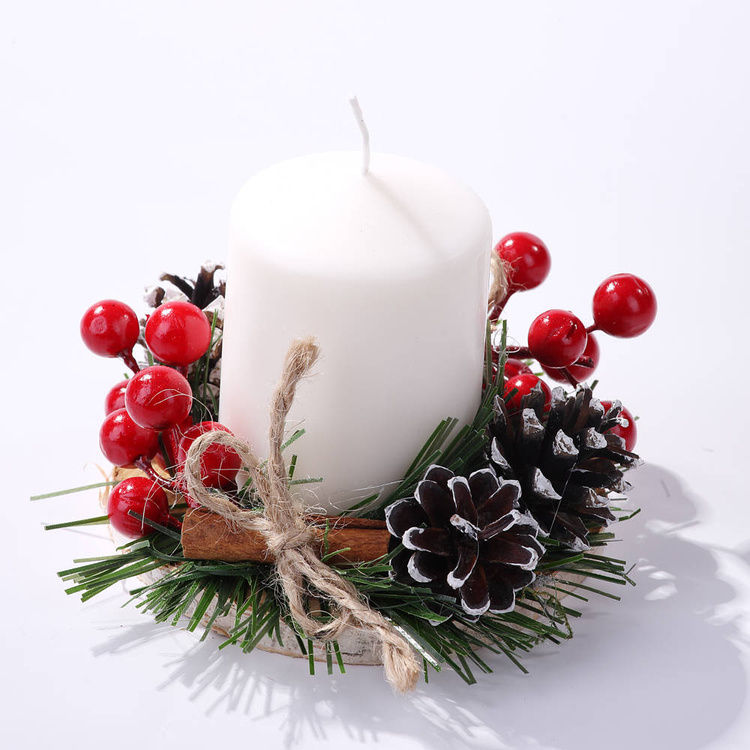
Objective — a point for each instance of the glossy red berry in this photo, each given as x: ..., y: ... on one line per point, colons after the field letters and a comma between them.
x: 122, y: 441
x: 624, y: 305
x: 627, y: 431
x: 140, y: 495
x: 557, y: 338
x: 527, y: 260
x: 115, y: 399
x: 515, y: 367
x: 110, y: 328
x: 579, y: 372
x: 219, y: 463
x: 178, y: 333
x: 158, y: 397
x: 523, y: 384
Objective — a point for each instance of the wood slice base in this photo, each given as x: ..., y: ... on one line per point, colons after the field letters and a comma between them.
x: 357, y: 647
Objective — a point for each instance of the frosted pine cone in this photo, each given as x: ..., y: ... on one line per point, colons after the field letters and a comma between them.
x: 566, y: 461
x: 203, y: 292
x: 465, y: 538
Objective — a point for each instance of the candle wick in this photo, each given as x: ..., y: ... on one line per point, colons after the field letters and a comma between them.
x: 359, y: 117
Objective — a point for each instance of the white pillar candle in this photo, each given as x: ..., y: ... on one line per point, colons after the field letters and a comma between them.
x: 386, y: 265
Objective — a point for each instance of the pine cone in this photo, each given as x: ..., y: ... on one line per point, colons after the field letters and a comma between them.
x: 465, y: 538
x: 205, y: 292
x: 567, y: 462
x: 201, y: 292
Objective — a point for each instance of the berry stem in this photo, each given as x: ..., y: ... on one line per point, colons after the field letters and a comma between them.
x: 584, y: 362
x: 145, y: 466
x: 592, y: 328
x: 569, y: 377
x: 497, y: 311
x: 129, y: 360
x: 522, y: 352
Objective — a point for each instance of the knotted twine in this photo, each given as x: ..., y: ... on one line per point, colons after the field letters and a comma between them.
x: 498, y: 282
x: 290, y: 539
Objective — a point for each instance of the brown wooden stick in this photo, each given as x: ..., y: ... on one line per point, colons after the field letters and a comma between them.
x: 209, y: 536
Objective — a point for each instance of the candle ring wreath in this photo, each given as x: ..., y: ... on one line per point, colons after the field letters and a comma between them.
x: 491, y: 527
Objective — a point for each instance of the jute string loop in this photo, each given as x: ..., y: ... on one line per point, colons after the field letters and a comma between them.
x: 291, y: 540
x: 498, y: 282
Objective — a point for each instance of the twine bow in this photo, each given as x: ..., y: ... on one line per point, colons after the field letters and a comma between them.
x: 291, y: 540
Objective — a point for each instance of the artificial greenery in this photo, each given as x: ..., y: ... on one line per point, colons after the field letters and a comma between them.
x: 436, y: 626
x: 200, y: 591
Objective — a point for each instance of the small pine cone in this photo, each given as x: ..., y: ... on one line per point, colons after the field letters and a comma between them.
x: 465, y: 538
x: 566, y: 461
x: 206, y: 292
x: 202, y: 292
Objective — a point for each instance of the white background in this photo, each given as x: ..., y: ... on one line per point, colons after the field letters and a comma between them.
x: 615, y: 131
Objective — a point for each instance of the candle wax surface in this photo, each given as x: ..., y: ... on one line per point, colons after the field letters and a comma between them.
x: 389, y: 272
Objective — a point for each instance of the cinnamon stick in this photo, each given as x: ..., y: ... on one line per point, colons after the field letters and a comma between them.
x: 209, y: 536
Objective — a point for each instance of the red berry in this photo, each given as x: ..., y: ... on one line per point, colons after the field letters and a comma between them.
x: 178, y: 333
x: 158, y: 397
x: 515, y: 367
x: 557, y: 338
x: 219, y: 463
x: 527, y: 260
x: 523, y: 384
x: 115, y: 399
x: 110, y: 328
x: 624, y: 305
x: 142, y: 496
x: 122, y: 441
x: 628, y: 432
x: 580, y: 373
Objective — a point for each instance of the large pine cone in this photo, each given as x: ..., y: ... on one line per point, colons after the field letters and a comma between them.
x: 465, y: 538
x: 566, y: 461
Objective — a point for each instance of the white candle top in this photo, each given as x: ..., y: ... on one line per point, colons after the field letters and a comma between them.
x: 403, y: 216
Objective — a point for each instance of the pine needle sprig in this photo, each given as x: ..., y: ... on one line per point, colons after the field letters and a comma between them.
x: 205, y: 402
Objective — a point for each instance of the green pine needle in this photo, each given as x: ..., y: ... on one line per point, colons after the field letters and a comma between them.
x: 96, y: 521
x: 59, y: 493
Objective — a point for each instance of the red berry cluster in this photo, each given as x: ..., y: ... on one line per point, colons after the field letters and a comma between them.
x: 623, y: 306
x: 148, y: 422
